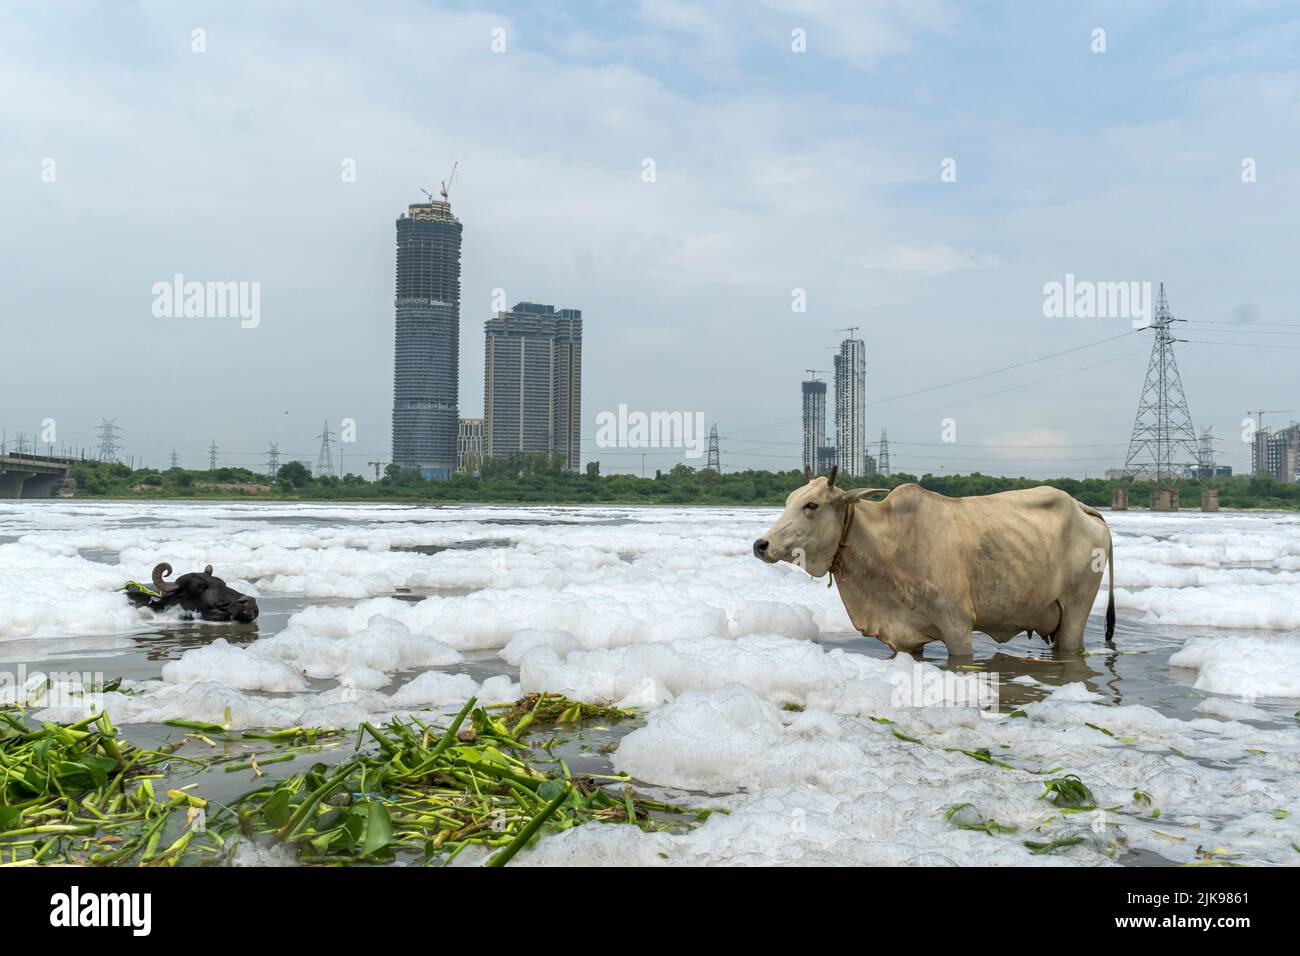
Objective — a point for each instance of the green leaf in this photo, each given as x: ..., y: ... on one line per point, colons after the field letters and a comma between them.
x: 379, y: 828
x: 1069, y: 792
x: 1040, y: 848
x: 276, y: 809
x: 551, y: 789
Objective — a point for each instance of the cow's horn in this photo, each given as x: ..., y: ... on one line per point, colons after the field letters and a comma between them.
x: 830, y: 478
x: 807, y: 473
x: 207, y: 569
x: 161, y: 571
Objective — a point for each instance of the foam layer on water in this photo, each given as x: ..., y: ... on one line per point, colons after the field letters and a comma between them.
x: 815, y: 752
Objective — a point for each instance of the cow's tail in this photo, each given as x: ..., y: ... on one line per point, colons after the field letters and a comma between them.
x: 1110, y: 562
x: 1110, y: 603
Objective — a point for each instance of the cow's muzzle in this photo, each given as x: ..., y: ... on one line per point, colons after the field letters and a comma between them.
x: 761, y: 547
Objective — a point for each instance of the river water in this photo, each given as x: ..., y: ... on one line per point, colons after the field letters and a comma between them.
x: 754, y: 694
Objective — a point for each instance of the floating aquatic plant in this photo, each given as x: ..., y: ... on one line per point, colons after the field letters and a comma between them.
x: 76, y: 793
x: 1069, y: 793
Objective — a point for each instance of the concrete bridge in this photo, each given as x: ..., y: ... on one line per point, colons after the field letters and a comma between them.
x: 32, y: 476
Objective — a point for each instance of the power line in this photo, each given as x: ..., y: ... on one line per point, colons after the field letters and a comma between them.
x: 968, y: 378
x: 1006, y: 368
x: 1243, y: 345
x: 1239, y: 325
x: 1012, y: 388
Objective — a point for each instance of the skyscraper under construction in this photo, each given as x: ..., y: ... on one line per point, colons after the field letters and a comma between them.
x: 814, y: 422
x: 426, y: 363
x: 851, y: 406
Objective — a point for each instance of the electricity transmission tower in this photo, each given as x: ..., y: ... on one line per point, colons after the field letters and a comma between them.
x: 175, y: 460
x: 715, y: 456
x: 325, y: 460
x: 1205, y: 456
x: 1164, y: 442
x: 882, y: 465
x: 273, y: 460
x: 212, y: 456
x: 108, y: 439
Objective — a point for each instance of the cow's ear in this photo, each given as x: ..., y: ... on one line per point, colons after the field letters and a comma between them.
x: 830, y: 478
x: 857, y: 494
x: 807, y: 473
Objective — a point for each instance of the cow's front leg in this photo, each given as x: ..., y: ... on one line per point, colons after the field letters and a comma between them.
x: 957, y: 638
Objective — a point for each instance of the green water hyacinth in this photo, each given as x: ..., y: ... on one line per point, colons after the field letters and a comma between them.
x: 422, y: 793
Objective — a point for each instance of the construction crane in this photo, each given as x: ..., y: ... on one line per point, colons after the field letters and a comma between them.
x: 375, y: 465
x: 814, y: 372
x: 1259, y: 415
x: 851, y: 328
x: 446, y: 184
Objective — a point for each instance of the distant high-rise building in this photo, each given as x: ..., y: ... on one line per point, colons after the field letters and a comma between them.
x: 532, y: 382
x: 469, y: 446
x: 426, y: 365
x: 825, y: 458
x: 814, y: 421
x: 851, y: 406
x: 1277, y: 453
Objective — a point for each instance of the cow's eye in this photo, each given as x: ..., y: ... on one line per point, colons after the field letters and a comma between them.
x: 810, y: 507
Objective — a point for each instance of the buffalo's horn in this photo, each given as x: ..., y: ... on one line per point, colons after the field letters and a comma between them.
x: 830, y: 479
x: 807, y: 473
x: 161, y: 571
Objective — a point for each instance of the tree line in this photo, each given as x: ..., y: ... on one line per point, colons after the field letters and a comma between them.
x: 542, y: 479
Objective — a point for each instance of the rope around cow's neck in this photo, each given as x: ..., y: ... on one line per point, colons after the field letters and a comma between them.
x: 835, y: 567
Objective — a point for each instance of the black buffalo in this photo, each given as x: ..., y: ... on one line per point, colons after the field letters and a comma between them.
x: 202, y: 594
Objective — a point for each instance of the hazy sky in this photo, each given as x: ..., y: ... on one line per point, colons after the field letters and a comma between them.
x: 775, y: 170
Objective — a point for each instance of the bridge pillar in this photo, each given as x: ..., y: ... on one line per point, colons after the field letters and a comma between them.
x: 11, y: 483
x: 1210, y: 500
x: 1164, y: 499
x: 41, y: 486
x: 1119, y: 499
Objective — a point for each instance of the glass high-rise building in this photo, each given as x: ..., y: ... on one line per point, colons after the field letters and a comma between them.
x: 851, y: 407
x: 426, y: 361
x: 532, y: 382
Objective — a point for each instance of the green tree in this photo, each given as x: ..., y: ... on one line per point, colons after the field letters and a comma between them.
x: 294, y: 472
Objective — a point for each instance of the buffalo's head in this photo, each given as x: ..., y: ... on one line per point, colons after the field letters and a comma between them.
x: 204, y: 594
x: 810, y: 529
